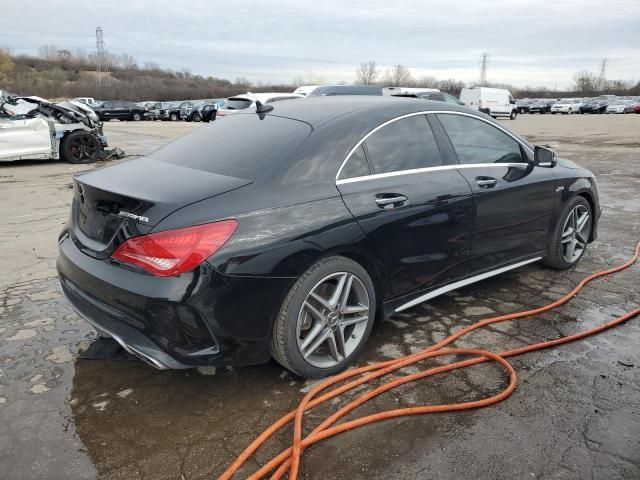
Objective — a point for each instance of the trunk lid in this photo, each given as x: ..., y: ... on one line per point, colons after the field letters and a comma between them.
x: 113, y: 204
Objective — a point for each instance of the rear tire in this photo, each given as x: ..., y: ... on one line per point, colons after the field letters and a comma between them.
x: 173, y: 117
x: 571, y: 235
x: 335, y: 331
x: 136, y: 116
x: 80, y: 147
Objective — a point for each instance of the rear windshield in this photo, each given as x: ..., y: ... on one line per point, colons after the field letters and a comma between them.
x: 240, y: 145
x: 238, y: 104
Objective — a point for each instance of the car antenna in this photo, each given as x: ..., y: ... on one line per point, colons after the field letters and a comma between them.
x: 261, y: 108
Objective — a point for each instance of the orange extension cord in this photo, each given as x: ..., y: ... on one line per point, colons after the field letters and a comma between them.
x: 289, y: 460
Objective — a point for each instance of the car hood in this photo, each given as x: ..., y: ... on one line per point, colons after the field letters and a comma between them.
x: 563, y: 162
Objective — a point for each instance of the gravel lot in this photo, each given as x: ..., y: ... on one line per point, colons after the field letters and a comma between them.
x: 575, y: 414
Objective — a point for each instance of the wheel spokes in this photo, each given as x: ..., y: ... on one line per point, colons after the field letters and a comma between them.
x: 333, y: 319
x: 338, y: 291
x: 353, y: 320
x: 575, y: 233
x: 314, y: 339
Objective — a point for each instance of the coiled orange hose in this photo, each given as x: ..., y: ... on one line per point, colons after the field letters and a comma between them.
x: 289, y: 459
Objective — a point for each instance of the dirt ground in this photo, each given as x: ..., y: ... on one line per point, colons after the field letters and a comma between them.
x: 575, y: 414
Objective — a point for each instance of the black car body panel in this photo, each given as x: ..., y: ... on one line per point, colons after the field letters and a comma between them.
x: 541, y: 106
x: 114, y: 109
x: 596, y: 106
x: 275, y: 174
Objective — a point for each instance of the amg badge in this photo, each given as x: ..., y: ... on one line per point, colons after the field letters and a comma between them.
x: 133, y: 216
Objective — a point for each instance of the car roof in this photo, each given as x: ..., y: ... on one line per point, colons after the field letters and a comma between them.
x: 317, y: 111
x: 263, y: 96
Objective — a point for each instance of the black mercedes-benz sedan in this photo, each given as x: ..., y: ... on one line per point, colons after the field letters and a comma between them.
x: 285, y: 233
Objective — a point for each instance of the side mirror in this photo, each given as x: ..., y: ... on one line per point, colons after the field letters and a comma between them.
x: 543, y: 157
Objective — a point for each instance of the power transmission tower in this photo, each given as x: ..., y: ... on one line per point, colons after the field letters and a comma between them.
x: 483, y: 69
x: 103, y: 76
x: 602, y: 79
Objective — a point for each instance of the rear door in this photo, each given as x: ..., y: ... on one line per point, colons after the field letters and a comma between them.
x: 513, y: 200
x: 415, y: 211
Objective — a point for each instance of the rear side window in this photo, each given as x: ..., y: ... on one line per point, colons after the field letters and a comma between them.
x: 356, y: 166
x: 476, y: 141
x: 403, y: 145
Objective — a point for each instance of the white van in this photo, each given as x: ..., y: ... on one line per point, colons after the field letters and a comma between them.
x: 496, y: 102
x: 402, y: 90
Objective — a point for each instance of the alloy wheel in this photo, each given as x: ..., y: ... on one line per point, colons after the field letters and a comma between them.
x: 84, y: 147
x: 575, y: 233
x: 332, y: 320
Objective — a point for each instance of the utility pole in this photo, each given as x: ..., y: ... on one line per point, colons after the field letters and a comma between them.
x: 602, y: 79
x: 103, y: 64
x: 483, y: 69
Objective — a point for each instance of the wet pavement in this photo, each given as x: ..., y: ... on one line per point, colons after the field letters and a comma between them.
x: 574, y: 415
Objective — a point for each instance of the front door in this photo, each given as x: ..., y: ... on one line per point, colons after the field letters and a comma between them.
x: 513, y: 200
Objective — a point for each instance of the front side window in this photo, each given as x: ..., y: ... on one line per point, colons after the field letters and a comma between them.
x: 476, y: 141
x: 403, y: 145
x: 356, y: 166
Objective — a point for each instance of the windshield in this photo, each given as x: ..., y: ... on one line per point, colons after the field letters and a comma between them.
x: 238, y: 103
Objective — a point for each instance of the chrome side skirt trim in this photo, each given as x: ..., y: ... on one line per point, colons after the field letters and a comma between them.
x: 462, y: 283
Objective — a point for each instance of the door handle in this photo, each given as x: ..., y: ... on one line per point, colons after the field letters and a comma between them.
x: 390, y: 200
x: 486, y: 182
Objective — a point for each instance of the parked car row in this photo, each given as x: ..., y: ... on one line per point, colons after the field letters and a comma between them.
x: 567, y: 106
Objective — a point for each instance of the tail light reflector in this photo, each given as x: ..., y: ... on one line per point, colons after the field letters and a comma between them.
x: 173, y: 252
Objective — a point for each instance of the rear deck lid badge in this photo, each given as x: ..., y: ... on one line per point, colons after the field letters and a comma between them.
x: 133, y: 216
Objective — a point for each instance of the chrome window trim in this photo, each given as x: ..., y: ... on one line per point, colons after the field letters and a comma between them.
x: 419, y: 170
x: 463, y: 283
x: 397, y: 173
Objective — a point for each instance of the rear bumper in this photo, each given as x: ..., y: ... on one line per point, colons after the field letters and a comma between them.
x: 201, y: 318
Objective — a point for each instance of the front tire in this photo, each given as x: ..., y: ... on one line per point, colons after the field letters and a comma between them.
x: 173, y: 117
x: 136, y: 116
x: 571, y: 235
x: 513, y: 115
x: 326, y: 318
x: 80, y: 147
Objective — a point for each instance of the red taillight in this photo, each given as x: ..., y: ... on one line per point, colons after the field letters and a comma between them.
x: 173, y: 252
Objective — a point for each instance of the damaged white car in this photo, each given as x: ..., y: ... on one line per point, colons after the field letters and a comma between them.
x: 33, y: 128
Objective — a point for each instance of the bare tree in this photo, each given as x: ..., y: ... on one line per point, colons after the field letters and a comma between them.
x: 398, y: 75
x: 367, y: 73
x: 48, y: 52
x: 585, y: 82
x: 6, y: 66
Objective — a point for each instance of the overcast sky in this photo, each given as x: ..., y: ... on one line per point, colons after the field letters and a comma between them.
x: 530, y: 42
